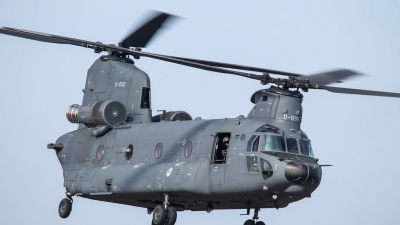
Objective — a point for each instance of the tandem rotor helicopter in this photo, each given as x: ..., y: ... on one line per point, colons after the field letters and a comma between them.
x: 171, y: 162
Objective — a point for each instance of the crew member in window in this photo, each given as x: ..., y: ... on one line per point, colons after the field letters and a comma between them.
x: 225, y: 143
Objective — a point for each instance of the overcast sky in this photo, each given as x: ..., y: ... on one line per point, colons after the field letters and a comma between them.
x: 357, y: 134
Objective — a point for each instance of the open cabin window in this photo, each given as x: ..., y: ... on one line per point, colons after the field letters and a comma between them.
x: 273, y: 143
x: 220, y: 148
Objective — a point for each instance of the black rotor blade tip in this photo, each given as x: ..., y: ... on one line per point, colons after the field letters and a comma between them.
x: 142, y: 36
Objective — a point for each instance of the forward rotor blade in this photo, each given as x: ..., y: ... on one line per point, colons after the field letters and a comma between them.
x: 142, y: 36
x: 94, y: 45
x: 335, y: 76
x: 234, y: 66
x: 360, y: 92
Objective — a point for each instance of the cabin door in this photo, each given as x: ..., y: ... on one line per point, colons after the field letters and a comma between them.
x: 218, y: 159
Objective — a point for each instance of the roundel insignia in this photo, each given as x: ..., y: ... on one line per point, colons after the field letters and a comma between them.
x: 169, y: 171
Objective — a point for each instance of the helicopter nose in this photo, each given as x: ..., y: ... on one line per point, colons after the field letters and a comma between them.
x: 303, y: 172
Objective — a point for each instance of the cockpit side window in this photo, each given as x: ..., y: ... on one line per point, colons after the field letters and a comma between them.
x: 255, y: 144
x: 252, y: 163
x: 266, y: 168
x: 273, y: 143
x: 306, y: 148
x: 292, y: 146
x: 251, y: 143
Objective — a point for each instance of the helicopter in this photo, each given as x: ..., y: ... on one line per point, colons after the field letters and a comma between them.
x: 169, y: 162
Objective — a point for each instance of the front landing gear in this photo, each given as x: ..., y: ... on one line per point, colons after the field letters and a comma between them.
x: 171, y: 215
x: 164, y: 214
x: 159, y: 215
x: 65, y: 207
x: 255, y: 218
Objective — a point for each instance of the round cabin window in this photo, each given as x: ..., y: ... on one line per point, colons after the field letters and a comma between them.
x: 188, y: 149
x: 128, y: 152
x: 158, y: 150
x: 100, y: 153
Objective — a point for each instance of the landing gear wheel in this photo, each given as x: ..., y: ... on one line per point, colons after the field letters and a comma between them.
x: 249, y: 222
x: 172, y: 215
x: 260, y: 223
x: 65, y: 207
x: 159, y: 215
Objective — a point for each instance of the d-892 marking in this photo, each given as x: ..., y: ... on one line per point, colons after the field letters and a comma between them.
x: 292, y: 118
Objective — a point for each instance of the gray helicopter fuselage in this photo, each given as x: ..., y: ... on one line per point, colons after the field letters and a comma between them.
x: 231, y: 163
x: 191, y: 179
x: 121, y: 153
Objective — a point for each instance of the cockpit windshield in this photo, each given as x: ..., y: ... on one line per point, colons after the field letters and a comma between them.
x: 292, y: 145
x: 306, y: 148
x: 273, y: 143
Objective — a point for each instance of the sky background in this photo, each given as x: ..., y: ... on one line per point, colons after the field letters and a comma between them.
x: 357, y: 134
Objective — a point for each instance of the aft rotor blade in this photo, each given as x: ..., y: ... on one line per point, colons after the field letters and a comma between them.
x: 360, y: 92
x: 50, y: 38
x: 95, y: 45
x: 142, y: 36
x: 193, y: 64
x: 32, y: 35
x: 335, y: 76
x: 239, y: 67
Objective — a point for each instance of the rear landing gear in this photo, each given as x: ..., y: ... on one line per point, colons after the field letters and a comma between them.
x: 210, y: 207
x: 64, y: 208
x: 164, y: 214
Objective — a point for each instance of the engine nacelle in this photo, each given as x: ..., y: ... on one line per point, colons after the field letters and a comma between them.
x: 109, y: 112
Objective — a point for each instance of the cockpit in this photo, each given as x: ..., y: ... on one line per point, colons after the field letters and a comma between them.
x: 294, y: 151
x: 273, y: 140
x: 270, y: 140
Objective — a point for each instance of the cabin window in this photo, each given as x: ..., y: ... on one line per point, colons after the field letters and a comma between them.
x: 128, y: 152
x: 264, y: 98
x: 306, y: 148
x: 273, y: 143
x: 252, y: 163
x: 266, y: 169
x: 220, y: 148
x: 100, y: 153
x: 145, y: 103
x: 158, y: 150
x: 188, y: 149
x: 292, y: 145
